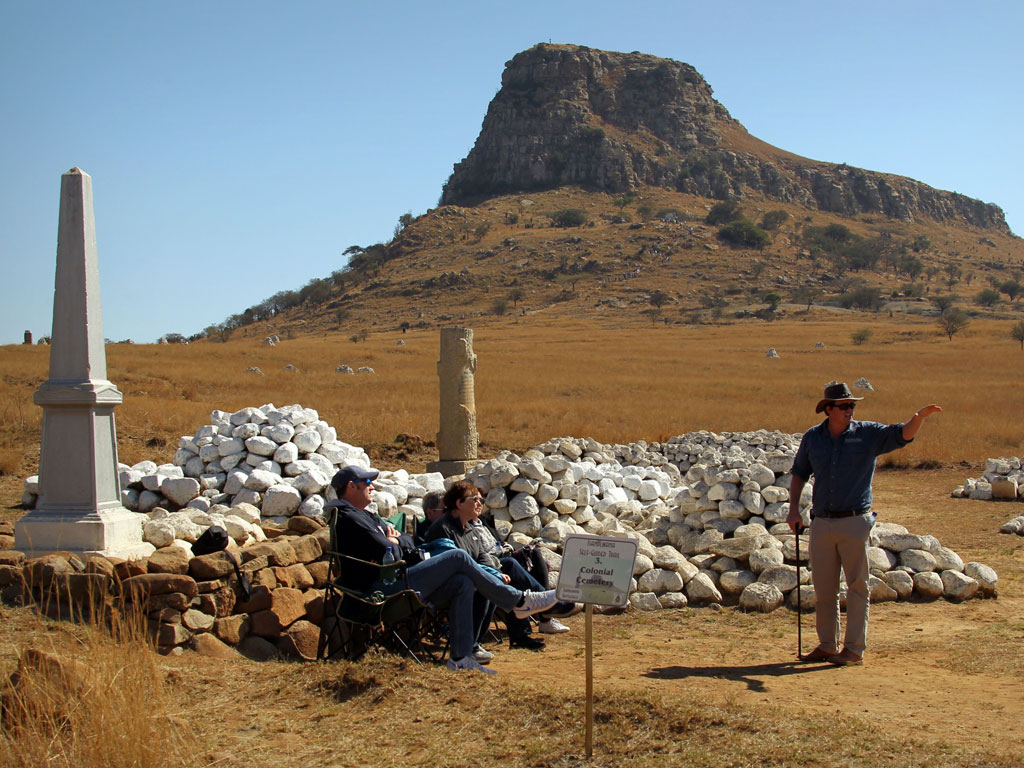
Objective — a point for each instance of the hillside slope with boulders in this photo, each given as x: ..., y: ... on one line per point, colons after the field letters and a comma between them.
x: 595, y: 188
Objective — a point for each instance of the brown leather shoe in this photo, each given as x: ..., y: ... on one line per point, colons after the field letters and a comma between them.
x: 818, y: 654
x: 846, y: 658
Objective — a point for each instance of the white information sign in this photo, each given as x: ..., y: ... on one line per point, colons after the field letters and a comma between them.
x: 596, y: 569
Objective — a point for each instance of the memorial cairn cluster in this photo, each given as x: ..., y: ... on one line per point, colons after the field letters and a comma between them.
x: 263, y: 474
x: 708, y: 513
x: 1003, y: 481
x: 248, y: 468
x: 706, y: 509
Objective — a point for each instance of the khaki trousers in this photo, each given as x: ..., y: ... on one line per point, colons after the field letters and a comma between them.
x: 841, y: 543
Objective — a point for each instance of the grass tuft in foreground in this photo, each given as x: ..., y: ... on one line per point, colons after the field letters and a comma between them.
x: 86, y: 696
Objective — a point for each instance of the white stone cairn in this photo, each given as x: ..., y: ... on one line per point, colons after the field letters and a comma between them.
x: 1003, y: 480
x: 78, y: 507
x: 706, y: 509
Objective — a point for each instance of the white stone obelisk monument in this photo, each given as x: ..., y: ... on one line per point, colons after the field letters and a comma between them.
x: 79, y: 506
x: 457, y: 438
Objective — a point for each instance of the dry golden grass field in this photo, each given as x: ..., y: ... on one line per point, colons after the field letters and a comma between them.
x: 942, y: 686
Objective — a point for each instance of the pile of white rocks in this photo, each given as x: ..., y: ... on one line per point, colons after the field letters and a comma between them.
x: 249, y: 466
x: 1003, y: 481
x: 715, y: 534
x: 707, y: 509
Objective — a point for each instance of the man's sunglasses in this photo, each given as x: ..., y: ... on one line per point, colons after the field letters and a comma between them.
x: 844, y: 406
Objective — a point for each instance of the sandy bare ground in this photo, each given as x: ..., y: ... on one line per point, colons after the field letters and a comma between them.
x: 935, y: 675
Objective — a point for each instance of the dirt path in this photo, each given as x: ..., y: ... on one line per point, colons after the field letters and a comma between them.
x: 933, y: 671
x: 927, y: 675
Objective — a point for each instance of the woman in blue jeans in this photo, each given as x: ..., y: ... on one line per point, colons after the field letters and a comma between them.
x: 461, y: 523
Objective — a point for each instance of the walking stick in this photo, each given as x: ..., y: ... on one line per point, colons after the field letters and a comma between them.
x: 799, y: 600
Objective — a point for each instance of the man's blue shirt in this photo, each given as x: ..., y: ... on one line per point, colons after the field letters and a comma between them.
x: 844, y: 467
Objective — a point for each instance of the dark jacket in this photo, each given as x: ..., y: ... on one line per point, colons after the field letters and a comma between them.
x: 477, y: 540
x: 360, y: 534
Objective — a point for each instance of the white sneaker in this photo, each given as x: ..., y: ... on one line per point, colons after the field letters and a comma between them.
x: 552, y: 627
x: 468, y: 663
x: 481, y: 654
x: 535, y: 602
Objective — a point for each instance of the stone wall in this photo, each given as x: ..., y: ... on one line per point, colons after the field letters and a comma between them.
x: 192, y: 602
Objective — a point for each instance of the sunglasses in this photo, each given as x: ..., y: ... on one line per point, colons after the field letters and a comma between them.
x: 475, y: 499
x: 844, y: 406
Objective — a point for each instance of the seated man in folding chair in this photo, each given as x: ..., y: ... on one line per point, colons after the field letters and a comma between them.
x: 448, y: 579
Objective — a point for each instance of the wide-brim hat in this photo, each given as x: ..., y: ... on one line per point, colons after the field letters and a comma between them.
x: 352, y: 473
x: 834, y: 391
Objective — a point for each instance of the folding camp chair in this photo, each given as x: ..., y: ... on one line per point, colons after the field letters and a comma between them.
x: 398, y: 521
x: 356, y: 621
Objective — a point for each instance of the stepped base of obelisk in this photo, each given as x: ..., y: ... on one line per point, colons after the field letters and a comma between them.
x: 109, y: 532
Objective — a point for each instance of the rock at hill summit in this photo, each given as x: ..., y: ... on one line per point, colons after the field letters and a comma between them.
x: 613, y: 122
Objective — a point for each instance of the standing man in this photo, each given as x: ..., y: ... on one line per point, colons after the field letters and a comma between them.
x: 840, y: 453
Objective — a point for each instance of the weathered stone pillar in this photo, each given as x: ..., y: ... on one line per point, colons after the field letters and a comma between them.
x: 79, y: 506
x: 28, y: 337
x: 457, y: 438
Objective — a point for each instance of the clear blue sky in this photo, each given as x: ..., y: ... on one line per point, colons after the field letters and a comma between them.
x: 237, y: 148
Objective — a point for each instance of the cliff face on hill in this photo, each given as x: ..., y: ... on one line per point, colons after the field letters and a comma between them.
x: 614, y: 122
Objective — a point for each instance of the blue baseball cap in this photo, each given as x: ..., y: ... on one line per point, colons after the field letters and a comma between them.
x: 352, y: 473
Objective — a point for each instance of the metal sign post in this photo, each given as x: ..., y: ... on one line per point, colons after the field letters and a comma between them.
x: 595, y: 570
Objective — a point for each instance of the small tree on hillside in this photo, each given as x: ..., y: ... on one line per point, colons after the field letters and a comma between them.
x: 1011, y: 288
x: 654, y: 313
x: 1017, y: 332
x: 569, y: 217
x: 724, y: 212
x: 658, y: 299
x: 953, y: 322
x: 943, y: 303
x: 744, y: 234
x: 806, y: 294
x: 861, y: 335
x: 987, y: 298
x: 772, y: 220
x: 499, y: 307
x: 516, y: 295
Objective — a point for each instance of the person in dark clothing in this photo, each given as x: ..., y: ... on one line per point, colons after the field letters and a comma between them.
x: 529, y: 556
x: 461, y: 523
x: 840, y: 452
x: 433, y: 508
x: 448, y: 579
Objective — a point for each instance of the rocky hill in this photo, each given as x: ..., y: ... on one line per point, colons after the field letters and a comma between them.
x: 616, y: 122
x: 590, y: 191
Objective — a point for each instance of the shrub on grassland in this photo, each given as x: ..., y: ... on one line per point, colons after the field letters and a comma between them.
x: 569, y: 217
x: 744, y: 234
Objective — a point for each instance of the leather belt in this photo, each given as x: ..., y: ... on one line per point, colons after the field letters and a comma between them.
x: 841, y: 513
